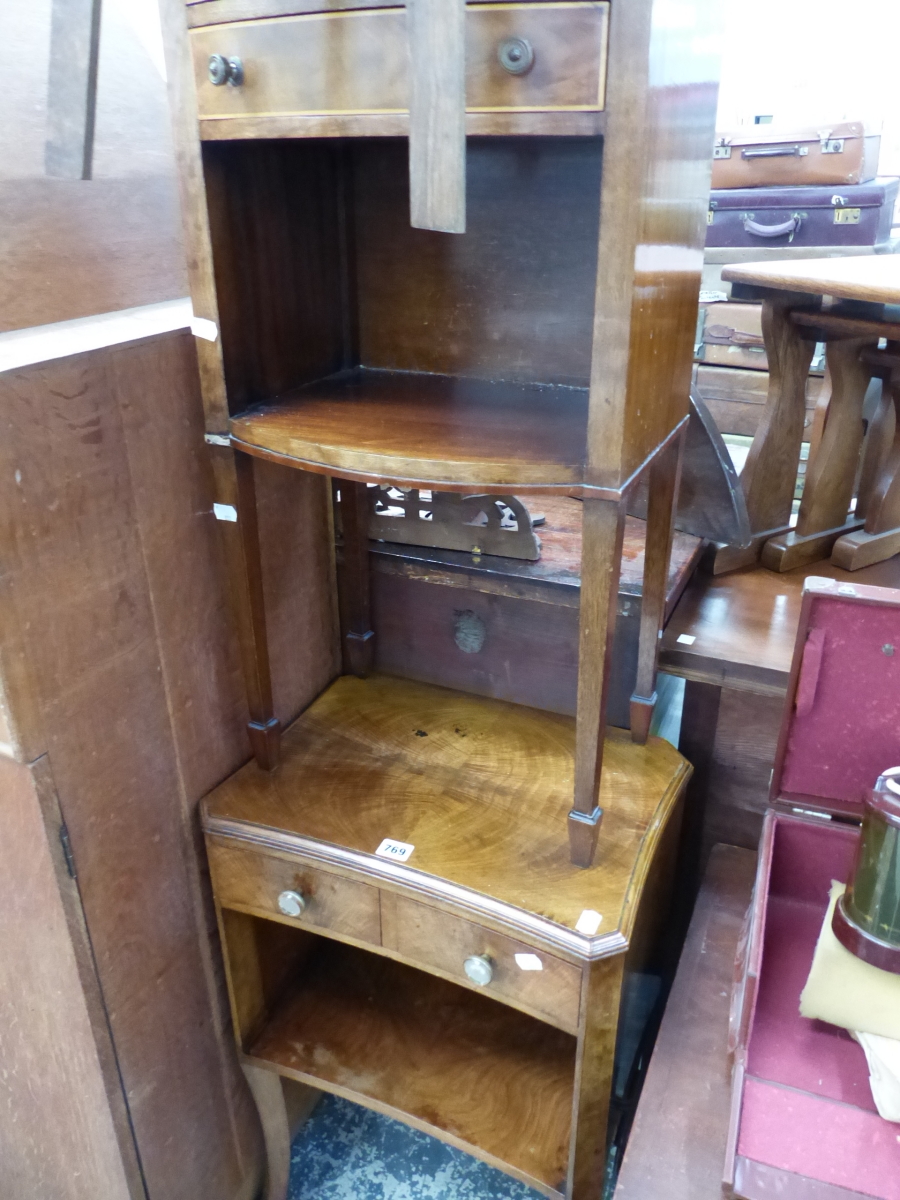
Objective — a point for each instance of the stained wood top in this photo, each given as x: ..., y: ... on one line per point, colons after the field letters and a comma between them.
x: 424, y: 430
x: 676, y: 1149
x: 480, y: 787
x: 875, y: 278
x: 744, y: 624
x: 452, y: 1062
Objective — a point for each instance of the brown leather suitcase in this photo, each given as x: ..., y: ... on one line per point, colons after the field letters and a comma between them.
x: 772, y: 156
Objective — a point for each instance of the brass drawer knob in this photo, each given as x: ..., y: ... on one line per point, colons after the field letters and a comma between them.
x: 479, y: 969
x: 292, y: 904
x: 516, y: 55
x: 224, y: 70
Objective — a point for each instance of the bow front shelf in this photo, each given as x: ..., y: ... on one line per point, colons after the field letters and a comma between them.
x: 426, y: 430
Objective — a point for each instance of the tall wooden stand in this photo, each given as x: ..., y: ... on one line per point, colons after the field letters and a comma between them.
x: 401, y: 861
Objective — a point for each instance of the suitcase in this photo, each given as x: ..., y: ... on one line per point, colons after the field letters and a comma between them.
x: 736, y: 397
x: 767, y: 156
x: 803, y: 1121
x: 730, y: 335
x: 802, y: 216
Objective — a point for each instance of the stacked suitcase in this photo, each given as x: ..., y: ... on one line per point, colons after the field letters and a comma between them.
x: 780, y: 194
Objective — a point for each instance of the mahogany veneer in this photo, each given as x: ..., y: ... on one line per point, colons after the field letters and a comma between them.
x: 415, y: 429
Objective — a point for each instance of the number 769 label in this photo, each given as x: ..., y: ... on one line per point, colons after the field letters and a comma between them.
x: 398, y: 851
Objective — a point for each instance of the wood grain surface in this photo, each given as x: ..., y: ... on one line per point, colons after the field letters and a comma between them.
x: 875, y: 279
x: 458, y: 434
x: 436, y: 89
x: 454, y: 1063
x: 677, y: 1146
x: 50, y: 1146
x: 118, y: 661
x: 479, y: 787
x: 287, y: 72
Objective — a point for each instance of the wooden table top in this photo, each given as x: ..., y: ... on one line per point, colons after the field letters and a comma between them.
x: 676, y: 1150
x: 742, y: 626
x: 875, y: 278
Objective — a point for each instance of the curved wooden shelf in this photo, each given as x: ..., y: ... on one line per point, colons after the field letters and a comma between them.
x: 480, y: 787
x: 453, y: 1063
x: 426, y: 431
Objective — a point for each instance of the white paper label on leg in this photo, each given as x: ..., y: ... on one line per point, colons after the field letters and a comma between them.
x: 686, y: 639
x: 529, y: 962
x: 225, y: 512
x: 588, y: 922
x: 204, y: 328
x: 398, y: 851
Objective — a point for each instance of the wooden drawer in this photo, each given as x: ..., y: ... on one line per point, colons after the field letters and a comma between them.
x: 245, y: 879
x: 355, y: 62
x: 439, y: 940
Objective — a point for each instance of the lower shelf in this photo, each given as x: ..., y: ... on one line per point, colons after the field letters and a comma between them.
x: 458, y: 1065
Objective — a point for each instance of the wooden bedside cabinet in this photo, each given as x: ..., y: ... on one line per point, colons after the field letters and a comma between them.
x: 454, y: 248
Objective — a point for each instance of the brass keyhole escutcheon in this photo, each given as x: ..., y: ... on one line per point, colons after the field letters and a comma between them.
x: 516, y: 55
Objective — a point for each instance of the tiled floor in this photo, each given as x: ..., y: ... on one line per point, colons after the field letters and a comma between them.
x: 345, y: 1152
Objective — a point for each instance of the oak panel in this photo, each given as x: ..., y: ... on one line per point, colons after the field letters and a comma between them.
x: 873, y: 278
x: 244, y: 879
x: 432, y: 938
x: 464, y: 1068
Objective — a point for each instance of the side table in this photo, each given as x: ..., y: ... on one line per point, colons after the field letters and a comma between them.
x: 853, y: 305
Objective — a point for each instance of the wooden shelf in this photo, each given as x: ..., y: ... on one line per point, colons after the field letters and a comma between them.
x: 451, y: 1062
x: 480, y: 787
x: 458, y: 434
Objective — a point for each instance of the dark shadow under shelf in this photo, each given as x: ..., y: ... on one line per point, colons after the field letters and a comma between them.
x: 451, y: 1062
x: 457, y: 434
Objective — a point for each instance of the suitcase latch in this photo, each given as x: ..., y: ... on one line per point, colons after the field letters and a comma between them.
x: 722, y: 152
x: 846, y: 216
x: 832, y: 145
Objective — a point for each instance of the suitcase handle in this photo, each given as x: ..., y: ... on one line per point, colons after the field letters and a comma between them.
x: 797, y: 151
x: 771, y: 231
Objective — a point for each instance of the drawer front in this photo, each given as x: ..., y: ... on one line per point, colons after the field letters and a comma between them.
x: 246, y: 879
x: 327, y: 64
x: 441, y: 941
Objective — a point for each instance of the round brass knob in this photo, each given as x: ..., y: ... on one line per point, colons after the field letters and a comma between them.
x: 224, y: 70
x: 479, y: 969
x: 292, y: 904
x: 516, y: 55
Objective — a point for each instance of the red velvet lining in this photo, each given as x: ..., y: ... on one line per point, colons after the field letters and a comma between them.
x: 807, y: 1105
x: 846, y: 728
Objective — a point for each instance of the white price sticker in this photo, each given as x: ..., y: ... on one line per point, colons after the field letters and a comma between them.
x: 686, y: 639
x: 398, y: 851
x: 529, y: 962
x: 225, y: 512
x: 588, y: 922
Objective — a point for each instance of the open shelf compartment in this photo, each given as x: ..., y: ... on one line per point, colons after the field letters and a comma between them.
x: 456, y: 1064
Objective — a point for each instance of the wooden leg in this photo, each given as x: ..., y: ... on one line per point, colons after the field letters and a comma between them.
x: 832, y: 471
x: 236, y: 492
x: 770, y: 473
x: 664, y: 473
x: 880, y: 539
x: 594, y: 1067
x: 359, y: 636
x: 603, y: 528
x: 268, y: 1092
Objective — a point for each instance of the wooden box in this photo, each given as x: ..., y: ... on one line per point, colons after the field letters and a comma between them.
x: 804, y: 1124
x: 507, y: 628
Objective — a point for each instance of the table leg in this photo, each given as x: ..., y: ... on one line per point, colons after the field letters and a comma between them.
x: 268, y: 1092
x: 880, y: 538
x: 831, y: 474
x: 603, y: 528
x: 770, y: 473
x: 663, y: 488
